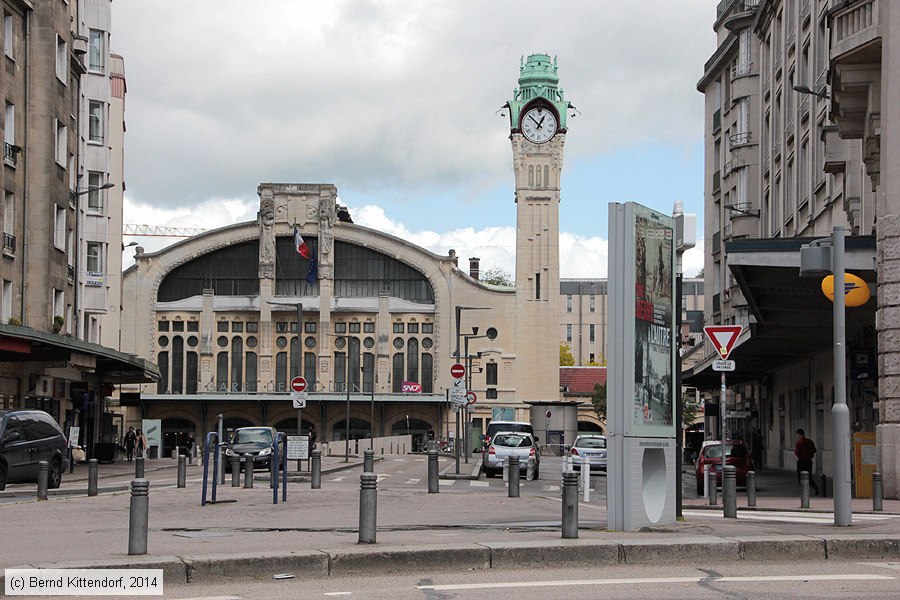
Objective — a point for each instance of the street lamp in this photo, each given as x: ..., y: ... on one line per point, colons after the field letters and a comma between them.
x: 803, y: 89
x: 76, y: 193
x: 467, y: 434
x: 814, y: 262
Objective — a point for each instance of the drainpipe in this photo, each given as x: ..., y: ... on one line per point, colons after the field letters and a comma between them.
x: 28, y: 16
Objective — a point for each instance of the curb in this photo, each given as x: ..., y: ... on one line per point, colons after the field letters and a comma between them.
x: 416, y: 559
x: 475, y: 474
x: 782, y: 509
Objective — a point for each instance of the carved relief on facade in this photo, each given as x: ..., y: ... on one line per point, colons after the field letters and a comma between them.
x: 266, y: 219
x: 323, y: 365
x: 265, y: 365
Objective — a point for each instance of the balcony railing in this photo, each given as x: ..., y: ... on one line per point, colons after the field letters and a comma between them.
x: 10, y: 153
x: 741, y: 69
x: 9, y: 243
x: 854, y: 20
x: 739, y: 139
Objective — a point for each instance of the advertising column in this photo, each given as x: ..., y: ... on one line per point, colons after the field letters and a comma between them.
x: 641, y: 390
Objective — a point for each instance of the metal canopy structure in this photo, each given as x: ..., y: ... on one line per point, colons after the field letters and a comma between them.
x: 790, y: 316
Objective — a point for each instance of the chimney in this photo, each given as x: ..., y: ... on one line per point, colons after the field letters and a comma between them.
x: 473, y: 267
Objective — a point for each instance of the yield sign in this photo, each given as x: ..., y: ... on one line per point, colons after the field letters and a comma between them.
x: 723, y: 337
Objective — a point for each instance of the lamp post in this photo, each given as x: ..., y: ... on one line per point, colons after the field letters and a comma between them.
x: 459, y: 310
x: 814, y: 258
x: 347, y: 386
x: 466, y: 422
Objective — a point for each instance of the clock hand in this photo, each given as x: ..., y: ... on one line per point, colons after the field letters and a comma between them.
x: 535, y: 120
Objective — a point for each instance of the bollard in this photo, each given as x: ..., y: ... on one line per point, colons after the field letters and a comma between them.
x: 514, y: 473
x: 529, y: 473
x: 877, y: 492
x: 506, y: 469
x: 586, y: 479
x: 706, y: 481
x: 139, y: 467
x: 220, y: 448
x: 434, y: 485
x: 43, y: 476
x: 138, y: 516
x: 174, y: 453
x: 570, y: 506
x: 93, y: 472
x: 248, y: 472
x: 368, y: 507
x: 751, y: 488
x: 729, y: 492
x: 804, y: 489
x: 235, y: 470
x: 182, y: 471
x: 368, y: 461
x: 711, y: 486
x: 273, y: 469
x: 316, y: 479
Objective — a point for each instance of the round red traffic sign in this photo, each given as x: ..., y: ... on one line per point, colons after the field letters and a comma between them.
x: 458, y: 371
x: 471, y: 398
x: 298, y: 384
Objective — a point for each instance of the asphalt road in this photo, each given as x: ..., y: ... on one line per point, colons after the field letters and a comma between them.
x: 828, y: 579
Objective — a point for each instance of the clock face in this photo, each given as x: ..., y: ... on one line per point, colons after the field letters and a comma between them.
x: 539, y: 125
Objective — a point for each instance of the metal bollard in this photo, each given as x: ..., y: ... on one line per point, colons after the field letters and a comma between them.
x: 139, y: 467
x: 529, y: 473
x: 368, y: 461
x: 877, y: 492
x: 706, y: 481
x: 711, y: 486
x: 272, y: 470
x: 43, y: 477
x: 368, y: 507
x: 514, y: 474
x: 729, y: 492
x: 506, y: 469
x: 316, y: 479
x: 804, y: 489
x: 138, y: 516
x: 235, y: 470
x: 182, y: 472
x: 222, y: 456
x: 570, y: 506
x: 93, y: 472
x: 751, y: 488
x: 586, y: 479
x: 434, y: 485
x: 248, y: 472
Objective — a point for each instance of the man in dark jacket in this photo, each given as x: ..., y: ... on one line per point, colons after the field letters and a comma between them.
x: 130, y: 441
x: 805, y: 450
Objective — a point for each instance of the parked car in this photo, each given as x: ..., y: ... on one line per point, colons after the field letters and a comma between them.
x: 508, y: 443
x: 26, y: 438
x: 591, y: 447
x: 255, y: 441
x: 496, y: 426
x: 736, y: 455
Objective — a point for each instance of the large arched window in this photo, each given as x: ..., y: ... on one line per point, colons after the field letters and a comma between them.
x: 177, y: 365
x: 237, y: 363
x: 397, y: 375
x: 309, y: 369
x: 296, y: 355
x: 412, y: 359
x: 250, y: 358
x: 368, y: 369
x: 193, y: 373
x: 229, y: 271
x: 281, y: 372
x: 340, y: 371
x: 427, y: 373
x: 354, y: 364
x: 222, y: 371
x: 162, y: 359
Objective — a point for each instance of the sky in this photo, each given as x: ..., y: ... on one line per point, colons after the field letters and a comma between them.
x: 396, y: 102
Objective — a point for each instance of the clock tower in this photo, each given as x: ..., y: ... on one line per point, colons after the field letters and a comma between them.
x: 537, y: 119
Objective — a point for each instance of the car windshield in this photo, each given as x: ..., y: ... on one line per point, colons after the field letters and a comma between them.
x: 512, y: 441
x: 732, y: 449
x: 594, y: 442
x: 244, y: 436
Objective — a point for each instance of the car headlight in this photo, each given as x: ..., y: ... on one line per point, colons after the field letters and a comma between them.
x: 265, y: 452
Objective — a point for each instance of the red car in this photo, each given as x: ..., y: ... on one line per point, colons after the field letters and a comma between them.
x: 711, y: 454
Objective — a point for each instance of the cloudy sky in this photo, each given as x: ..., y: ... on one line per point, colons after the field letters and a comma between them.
x: 396, y: 103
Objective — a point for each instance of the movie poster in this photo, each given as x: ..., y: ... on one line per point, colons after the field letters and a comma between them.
x: 653, y: 320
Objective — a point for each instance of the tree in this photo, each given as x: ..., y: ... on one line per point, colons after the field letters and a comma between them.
x: 598, y: 399
x: 689, y: 410
x: 497, y: 276
x: 565, y: 355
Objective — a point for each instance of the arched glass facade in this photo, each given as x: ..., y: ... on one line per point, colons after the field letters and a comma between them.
x: 229, y: 271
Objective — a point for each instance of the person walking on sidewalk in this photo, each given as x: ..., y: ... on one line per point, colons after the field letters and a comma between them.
x: 130, y: 442
x: 141, y: 444
x: 805, y: 450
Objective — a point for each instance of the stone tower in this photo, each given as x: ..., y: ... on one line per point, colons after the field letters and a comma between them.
x: 537, y: 119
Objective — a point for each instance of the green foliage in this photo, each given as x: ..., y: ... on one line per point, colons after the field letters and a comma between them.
x: 598, y: 399
x: 497, y: 276
x: 14, y: 321
x: 689, y: 411
x: 565, y: 355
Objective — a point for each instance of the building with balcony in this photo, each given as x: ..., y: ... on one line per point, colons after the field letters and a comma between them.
x: 43, y: 362
x: 779, y: 174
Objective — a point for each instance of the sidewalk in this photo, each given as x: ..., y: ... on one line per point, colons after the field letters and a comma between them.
x: 314, y: 533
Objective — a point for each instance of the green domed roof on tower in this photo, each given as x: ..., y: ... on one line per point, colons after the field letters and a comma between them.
x: 538, y: 81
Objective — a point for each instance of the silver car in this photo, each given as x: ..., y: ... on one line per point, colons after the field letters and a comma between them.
x: 508, y: 443
x: 591, y: 447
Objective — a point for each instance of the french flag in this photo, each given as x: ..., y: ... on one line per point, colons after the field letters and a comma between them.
x: 300, y: 243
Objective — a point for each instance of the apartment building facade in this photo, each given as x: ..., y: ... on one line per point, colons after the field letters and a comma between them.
x: 790, y: 155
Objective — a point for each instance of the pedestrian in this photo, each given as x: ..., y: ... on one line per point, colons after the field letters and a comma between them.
x: 190, y: 444
x: 312, y: 437
x: 130, y: 441
x: 757, y: 454
x: 141, y: 443
x: 805, y: 450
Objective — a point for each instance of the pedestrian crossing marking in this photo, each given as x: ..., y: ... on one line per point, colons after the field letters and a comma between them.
x: 447, y: 482
x: 341, y: 478
x: 479, y: 484
x: 413, y: 481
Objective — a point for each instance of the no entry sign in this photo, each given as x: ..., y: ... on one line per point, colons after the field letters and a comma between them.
x: 457, y: 371
x: 298, y: 384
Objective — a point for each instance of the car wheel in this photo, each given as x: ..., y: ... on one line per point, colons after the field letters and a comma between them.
x: 54, y: 475
x: 2, y: 476
x: 489, y: 473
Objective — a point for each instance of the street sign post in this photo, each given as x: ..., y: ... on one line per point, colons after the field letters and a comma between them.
x: 458, y: 392
x: 298, y: 392
x: 471, y: 398
x: 723, y: 338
